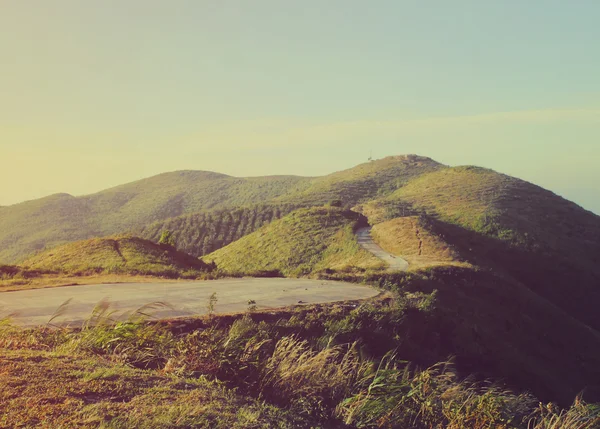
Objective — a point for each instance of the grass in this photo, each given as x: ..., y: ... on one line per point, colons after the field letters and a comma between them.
x: 118, y: 255
x: 46, y: 389
x: 363, y: 182
x: 290, y: 369
x: 303, y: 242
x: 47, y: 222
x: 35, y: 225
x: 539, y: 239
x: 201, y: 233
x: 49, y: 280
x: 494, y: 204
x: 412, y: 238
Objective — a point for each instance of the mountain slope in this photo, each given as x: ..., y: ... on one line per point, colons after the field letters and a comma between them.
x: 300, y: 243
x: 498, y: 328
x: 412, y: 238
x: 549, y: 244
x: 61, y: 218
x: 363, y: 182
x: 201, y: 233
x: 124, y: 254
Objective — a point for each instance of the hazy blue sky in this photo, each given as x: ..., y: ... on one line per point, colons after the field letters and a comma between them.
x: 98, y: 93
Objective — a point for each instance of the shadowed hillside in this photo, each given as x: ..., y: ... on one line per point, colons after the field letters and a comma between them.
x: 540, y: 239
x: 126, y: 254
x: 302, y: 242
x: 497, y: 327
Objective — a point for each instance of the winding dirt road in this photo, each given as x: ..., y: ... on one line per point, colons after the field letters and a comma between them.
x: 364, y: 238
x: 36, y: 307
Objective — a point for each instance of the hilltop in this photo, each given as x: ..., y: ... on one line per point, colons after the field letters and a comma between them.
x: 121, y: 254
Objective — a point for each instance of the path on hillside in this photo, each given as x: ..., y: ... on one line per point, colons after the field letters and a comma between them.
x: 364, y: 238
x: 36, y: 307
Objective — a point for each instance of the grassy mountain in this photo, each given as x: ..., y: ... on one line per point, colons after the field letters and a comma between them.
x: 122, y: 254
x: 363, y: 182
x: 201, y: 233
x: 61, y: 218
x: 300, y: 243
x: 547, y: 243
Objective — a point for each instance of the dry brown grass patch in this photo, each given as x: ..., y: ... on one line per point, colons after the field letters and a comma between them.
x: 410, y: 238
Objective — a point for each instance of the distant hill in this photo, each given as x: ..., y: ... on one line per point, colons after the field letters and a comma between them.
x: 516, y: 267
x: 363, y: 182
x: 124, y: 254
x: 57, y: 219
x: 303, y: 242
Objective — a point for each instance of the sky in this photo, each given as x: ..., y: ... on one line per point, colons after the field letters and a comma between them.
x: 94, y: 94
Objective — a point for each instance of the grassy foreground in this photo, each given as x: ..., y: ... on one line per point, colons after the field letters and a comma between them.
x: 365, y: 366
x: 56, y: 390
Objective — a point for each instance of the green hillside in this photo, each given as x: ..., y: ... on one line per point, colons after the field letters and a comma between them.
x: 123, y: 254
x: 549, y: 244
x: 302, y: 242
x: 504, y: 276
x: 201, y: 233
x: 363, y: 182
x: 62, y: 218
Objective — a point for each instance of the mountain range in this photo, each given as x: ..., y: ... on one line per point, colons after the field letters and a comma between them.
x: 515, y: 267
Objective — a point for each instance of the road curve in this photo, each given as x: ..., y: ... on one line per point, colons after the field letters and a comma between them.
x: 36, y: 307
x: 365, y: 240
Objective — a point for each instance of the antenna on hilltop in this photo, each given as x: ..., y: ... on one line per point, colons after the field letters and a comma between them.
x: 371, y: 155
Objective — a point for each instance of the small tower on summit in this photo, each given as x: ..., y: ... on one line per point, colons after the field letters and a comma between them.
x: 370, y: 155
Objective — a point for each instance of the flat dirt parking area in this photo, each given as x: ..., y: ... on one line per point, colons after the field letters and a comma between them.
x: 37, y: 307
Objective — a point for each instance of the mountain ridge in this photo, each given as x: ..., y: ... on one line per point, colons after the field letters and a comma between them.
x: 37, y: 224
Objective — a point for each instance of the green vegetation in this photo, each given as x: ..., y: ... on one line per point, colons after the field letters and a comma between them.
x: 35, y: 225
x: 166, y: 238
x: 303, y: 242
x: 45, y: 389
x: 377, y: 365
x: 412, y: 238
x: 503, y: 283
x: 543, y: 241
x: 363, y: 182
x: 201, y: 233
x: 119, y: 255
